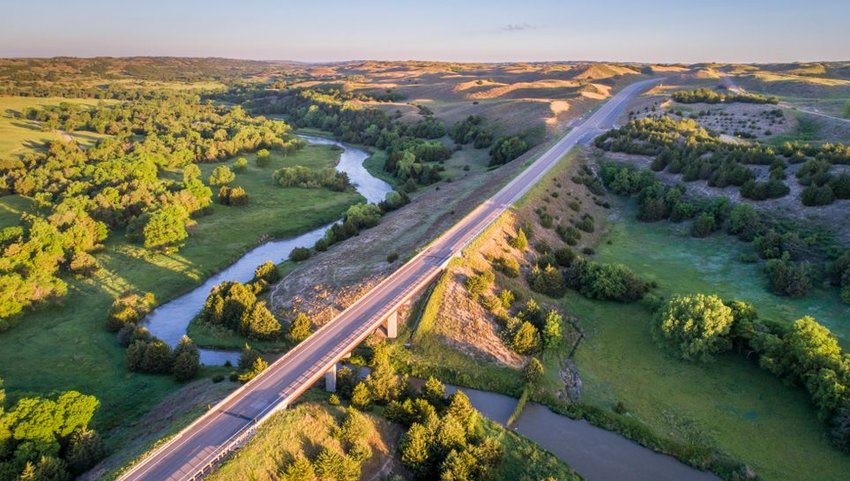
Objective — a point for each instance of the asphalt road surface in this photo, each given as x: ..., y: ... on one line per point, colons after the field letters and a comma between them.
x: 191, y: 451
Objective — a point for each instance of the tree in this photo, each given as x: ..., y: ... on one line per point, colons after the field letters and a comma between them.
x: 552, y: 329
x: 165, y: 229
x: 187, y: 360
x: 788, y: 278
x: 533, y: 371
x: 360, y: 397
x: 434, y: 391
x: 299, y: 470
x: 268, y: 272
x: 696, y: 326
x: 300, y: 328
x: 259, y: 366
x: 259, y: 323
x: 459, y: 466
x: 85, y: 449
x: 526, y: 338
x: 221, y: 175
x: 415, y: 449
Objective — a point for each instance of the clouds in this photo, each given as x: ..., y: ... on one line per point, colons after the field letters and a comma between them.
x: 518, y: 27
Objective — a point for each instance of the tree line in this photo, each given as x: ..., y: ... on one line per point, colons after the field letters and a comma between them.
x: 48, y: 438
x: 709, y: 96
x: 698, y: 327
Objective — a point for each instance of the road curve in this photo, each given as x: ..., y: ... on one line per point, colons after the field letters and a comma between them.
x: 192, y: 451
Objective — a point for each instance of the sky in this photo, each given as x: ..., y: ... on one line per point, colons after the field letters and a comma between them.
x: 686, y: 31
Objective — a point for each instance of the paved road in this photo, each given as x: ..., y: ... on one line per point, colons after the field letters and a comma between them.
x: 236, y: 416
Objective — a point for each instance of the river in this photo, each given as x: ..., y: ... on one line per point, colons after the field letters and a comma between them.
x: 597, y: 454
x: 170, y: 320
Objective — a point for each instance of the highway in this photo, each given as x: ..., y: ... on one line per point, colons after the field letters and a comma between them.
x: 224, y: 427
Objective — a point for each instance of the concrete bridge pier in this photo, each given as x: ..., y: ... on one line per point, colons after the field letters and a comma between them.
x: 391, y: 325
x: 330, y: 379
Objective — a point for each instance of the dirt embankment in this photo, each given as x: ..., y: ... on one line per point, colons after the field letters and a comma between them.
x: 464, y: 323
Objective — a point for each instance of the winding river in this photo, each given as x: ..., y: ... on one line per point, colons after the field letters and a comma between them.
x: 597, y: 454
x: 170, y: 320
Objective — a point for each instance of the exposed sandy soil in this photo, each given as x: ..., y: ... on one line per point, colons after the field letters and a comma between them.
x: 516, y: 98
x: 464, y: 323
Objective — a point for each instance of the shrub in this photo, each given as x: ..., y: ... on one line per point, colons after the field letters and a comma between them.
x: 221, y: 175
x: 234, y: 196
x: 507, y: 266
x: 479, y: 283
x: 267, y: 272
x: 704, y: 225
x: 548, y: 281
x: 533, y: 371
x: 613, y: 282
x: 695, y: 326
x: 520, y: 241
x: 299, y: 254
x: 129, y: 310
x: 240, y: 165
x: 187, y: 360
x: 263, y: 158
x: 392, y: 257
x: 524, y: 337
x: 788, y: 278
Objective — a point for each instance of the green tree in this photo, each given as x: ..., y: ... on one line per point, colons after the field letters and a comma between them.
x: 434, y: 391
x: 360, y: 396
x: 165, y: 229
x: 259, y: 366
x: 459, y: 466
x: 552, y: 334
x: 300, y: 328
x: 533, y: 371
x: 526, y: 338
x: 299, y: 470
x: 696, y: 326
x: 415, y: 450
x: 221, y: 175
x: 85, y: 449
x: 187, y: 360
x: 259, y: 323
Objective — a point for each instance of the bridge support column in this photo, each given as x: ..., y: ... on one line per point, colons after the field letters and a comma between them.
x: 391, y: 325
x: 330, y: 379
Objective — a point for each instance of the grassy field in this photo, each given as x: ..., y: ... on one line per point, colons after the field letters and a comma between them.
x: 711, y: 265
x: 732, y: 404
x: 66, y: 347
x: 17, y: 135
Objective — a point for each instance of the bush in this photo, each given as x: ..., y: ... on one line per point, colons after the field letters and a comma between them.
x: 548, y: 281
x: 524, y: 337
x: 479, y: 283
x: 696, y: 326
x: 788, y: 278
x: 520, y: 241
x: 506, y: 149
x: 299, y: 254
x: 234, y: 196
x: 704, y: 225
x: 507, y: 266
x: 613, y: 282
x: 187, y: 360
x: 263, y: 158
x: 267, y: 272
x: 392, y: 257
x: 221, y: 175
x: 240, y: 165
x: 128, y: 310
x: 533, y: 371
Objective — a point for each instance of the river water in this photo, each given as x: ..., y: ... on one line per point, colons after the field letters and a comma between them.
x: 170, y: 320
x: 597, y: 454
